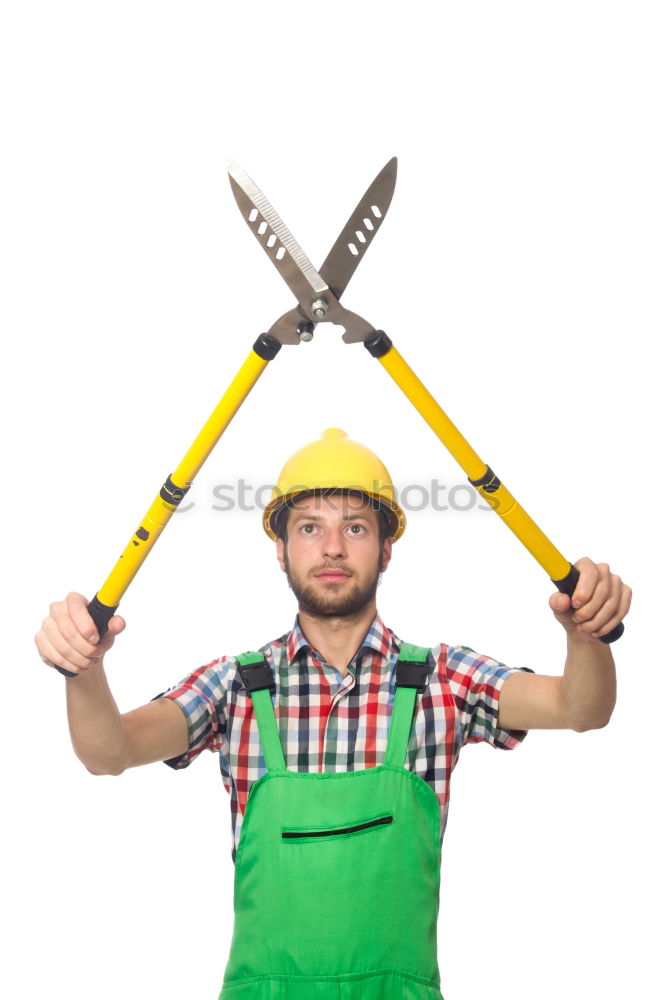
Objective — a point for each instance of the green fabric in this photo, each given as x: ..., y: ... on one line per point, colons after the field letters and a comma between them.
x: 418, y: 654
x: 342, y: 915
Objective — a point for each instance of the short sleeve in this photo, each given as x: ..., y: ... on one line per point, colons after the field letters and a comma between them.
x: 202, y: 696
x: 476, y: 683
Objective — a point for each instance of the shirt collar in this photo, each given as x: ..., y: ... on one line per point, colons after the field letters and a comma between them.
x: 376, y: 640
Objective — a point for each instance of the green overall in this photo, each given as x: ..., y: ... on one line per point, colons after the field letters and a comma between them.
x: 336, y: 885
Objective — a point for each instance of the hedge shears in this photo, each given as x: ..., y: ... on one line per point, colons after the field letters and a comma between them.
x: 318, y: 295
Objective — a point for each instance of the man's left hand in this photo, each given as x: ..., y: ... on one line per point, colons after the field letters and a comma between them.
x: 600, y: 601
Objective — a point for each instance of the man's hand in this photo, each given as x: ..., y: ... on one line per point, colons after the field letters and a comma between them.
x: 600, y: 601
x: 69, y: 638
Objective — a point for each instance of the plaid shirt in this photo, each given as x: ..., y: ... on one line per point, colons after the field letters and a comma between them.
x: 328, y: 722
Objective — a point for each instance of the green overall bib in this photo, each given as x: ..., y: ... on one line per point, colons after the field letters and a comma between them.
x: 336, y: 884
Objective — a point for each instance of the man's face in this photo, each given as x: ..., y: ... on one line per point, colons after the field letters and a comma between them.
x: 333, y: 556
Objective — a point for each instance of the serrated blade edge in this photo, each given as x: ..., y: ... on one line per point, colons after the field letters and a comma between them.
x: 283, y: 250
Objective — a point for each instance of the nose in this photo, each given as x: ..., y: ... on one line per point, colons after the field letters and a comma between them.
x: 334, y: 542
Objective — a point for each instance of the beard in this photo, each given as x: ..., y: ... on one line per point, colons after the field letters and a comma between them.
x: 332, y: 600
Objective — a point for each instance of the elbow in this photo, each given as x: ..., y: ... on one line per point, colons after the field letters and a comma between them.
x: 594, y: 725
x: 106, y: 768
x: 603, y: 724
x: 596, y: 721
x: 102, y: 760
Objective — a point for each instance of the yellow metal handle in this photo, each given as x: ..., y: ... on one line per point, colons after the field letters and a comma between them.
x: 104, y: 604
x: 562, y: 572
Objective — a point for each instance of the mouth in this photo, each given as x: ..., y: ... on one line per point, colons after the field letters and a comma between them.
x: 331, y: 575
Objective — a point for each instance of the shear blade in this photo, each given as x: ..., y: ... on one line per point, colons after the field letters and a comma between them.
x: 360, y: 230
x: 276, y: 240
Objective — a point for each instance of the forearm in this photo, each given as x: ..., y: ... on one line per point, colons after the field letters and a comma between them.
x: 588, y: 685
x: 95, y: 724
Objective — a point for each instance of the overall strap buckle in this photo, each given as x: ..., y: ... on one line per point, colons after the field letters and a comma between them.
x: 255, y: 672
x: 412, y: 668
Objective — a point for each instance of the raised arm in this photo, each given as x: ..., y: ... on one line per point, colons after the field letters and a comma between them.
x: 585, y: 696
x: 106, y: 741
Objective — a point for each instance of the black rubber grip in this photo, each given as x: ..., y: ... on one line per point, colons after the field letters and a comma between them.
x: 378, y: 344
x: 61, y: 670
x: 267, y: 347
x: 100, y: 615
x: 567, y: 586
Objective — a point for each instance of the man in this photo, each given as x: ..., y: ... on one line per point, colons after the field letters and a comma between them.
x: 337, y: 740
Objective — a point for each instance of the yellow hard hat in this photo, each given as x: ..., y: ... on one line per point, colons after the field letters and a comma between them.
x: 334, y: 461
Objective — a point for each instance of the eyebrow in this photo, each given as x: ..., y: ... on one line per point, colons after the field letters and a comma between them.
x: 315, y: 517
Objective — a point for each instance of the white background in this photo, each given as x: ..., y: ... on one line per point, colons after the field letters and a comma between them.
x: 518, y: 274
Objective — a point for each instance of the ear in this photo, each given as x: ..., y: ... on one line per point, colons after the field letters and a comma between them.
x: 280, y: 553
x: 387, y: 552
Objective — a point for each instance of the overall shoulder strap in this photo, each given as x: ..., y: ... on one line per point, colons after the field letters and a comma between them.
x: 411, y: 678
x: 259, y: 681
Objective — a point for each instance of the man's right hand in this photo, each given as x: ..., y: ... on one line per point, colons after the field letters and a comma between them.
x: 69, y: 638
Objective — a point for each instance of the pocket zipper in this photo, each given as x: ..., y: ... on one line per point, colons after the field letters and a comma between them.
x: 291, y: 834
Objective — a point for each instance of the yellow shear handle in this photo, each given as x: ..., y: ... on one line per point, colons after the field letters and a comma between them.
x: 562, y: 572
x: 105, y: 602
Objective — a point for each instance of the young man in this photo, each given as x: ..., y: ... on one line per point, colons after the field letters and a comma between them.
x: 337, y: 740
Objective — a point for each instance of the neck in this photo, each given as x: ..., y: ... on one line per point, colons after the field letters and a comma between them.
x: 337, y: 639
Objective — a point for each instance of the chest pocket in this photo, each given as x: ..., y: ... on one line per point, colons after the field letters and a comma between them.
x: 297, y: 835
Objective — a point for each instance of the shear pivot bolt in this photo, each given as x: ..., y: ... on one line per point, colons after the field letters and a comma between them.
x: 305, y: 331
x: 319, y: 308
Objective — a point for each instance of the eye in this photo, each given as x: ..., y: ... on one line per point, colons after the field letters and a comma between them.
x: 359, y: 526
x: 309, y: 525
